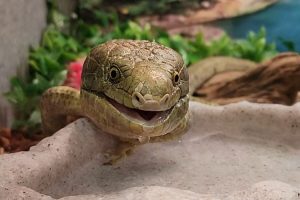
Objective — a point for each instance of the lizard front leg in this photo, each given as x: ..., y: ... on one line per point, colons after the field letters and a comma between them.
x: 56, y: 104
x: 120, y: 152
x: 126, y: 147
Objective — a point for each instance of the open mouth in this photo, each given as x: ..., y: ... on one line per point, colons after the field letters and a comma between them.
x: 149, y: 117
x: 141, y: 115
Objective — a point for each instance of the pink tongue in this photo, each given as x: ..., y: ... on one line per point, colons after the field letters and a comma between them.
x: 135, y: 113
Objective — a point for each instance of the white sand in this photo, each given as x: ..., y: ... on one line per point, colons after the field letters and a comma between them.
x: 239, y: 151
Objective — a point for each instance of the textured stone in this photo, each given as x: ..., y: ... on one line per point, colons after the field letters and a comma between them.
x: 67, y: 7
x: 21, y: 23
x: 238, y: 151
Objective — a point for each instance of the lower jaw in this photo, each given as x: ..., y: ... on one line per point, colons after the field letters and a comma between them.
x: 117, y: 123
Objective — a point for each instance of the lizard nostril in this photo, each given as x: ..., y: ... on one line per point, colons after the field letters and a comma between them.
x: 165, y: 99
x: 138, y: 97
x: 147, y: 102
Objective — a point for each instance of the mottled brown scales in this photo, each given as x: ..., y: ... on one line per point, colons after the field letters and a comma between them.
x: 128, y: 90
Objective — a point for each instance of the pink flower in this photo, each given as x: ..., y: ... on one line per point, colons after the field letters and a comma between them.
x: 74, y: 73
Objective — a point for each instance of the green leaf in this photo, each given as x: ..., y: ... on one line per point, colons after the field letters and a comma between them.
x: 290, y: 45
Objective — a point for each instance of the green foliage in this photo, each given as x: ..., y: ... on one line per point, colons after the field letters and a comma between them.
x: 255, y: 47
x: 47, y: 62
x: 46, y: 69
x: 161, y: 6
x: 289, y: 45
x: 141, y: 7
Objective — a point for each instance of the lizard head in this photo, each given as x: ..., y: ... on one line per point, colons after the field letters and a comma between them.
x: 141, y: 87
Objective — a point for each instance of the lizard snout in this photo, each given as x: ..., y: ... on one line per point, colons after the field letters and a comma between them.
x: 150, y: 103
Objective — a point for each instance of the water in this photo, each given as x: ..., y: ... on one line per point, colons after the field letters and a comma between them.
x: 281, y: 20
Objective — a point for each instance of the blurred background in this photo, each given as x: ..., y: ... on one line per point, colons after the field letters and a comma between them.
x: 44, y: 42
x: 280, y: 20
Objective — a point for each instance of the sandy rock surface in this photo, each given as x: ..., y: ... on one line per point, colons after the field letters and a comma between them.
x: 238, y: 151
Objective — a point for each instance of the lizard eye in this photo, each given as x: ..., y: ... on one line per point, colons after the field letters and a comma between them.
x: 176, y: 78
x: 114, y: 74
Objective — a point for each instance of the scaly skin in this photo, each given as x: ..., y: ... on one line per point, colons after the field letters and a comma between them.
x: 127, y: 76
x: 209, y: 67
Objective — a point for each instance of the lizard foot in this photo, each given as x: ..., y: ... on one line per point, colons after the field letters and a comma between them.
x: 123, y: 150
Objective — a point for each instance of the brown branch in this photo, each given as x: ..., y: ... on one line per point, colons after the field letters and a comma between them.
x: 275, y: 81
